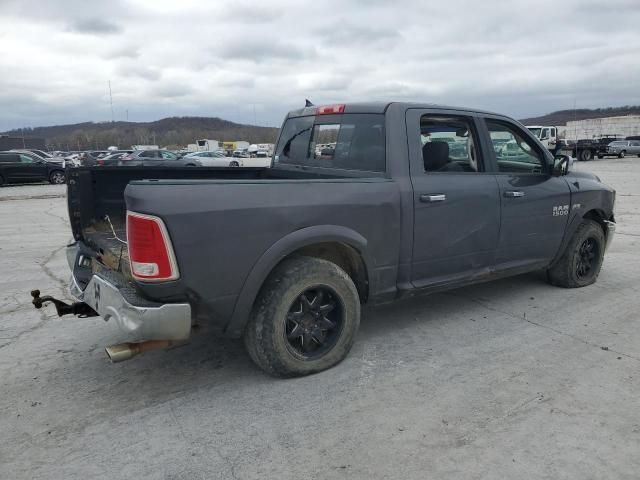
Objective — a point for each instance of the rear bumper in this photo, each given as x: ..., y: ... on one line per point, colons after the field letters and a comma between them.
x: 140, y: 319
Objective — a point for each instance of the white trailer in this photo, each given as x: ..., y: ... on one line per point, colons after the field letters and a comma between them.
x: 206, y: 145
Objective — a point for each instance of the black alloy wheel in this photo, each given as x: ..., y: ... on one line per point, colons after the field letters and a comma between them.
x: 588, y: 257
x: 314, y: 322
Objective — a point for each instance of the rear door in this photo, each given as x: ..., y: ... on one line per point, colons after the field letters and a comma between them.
x: 456, y: 200
x: 32, y: 168
x: 535, y: 204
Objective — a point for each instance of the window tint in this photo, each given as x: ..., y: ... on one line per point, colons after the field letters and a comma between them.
x: 168, y: 156
x: 349, y: 141
x: 449, y: 144
x: 148, y: 154
x: 514, y: 152
x: 24, y: 158
x: 545, y: 134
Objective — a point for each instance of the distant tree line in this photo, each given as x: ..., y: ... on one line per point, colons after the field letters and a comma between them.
x: 175, y: 131
x: 561, y: 117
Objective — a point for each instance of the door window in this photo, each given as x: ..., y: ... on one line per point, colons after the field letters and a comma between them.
x: 8, y: 158
x: 449, y: 144
x: 148, y: 154
x: 26, y: 159
x: 168, y: 156
x: 515, y: 153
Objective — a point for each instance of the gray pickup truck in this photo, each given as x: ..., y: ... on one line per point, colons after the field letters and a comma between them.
x: 363, y: 204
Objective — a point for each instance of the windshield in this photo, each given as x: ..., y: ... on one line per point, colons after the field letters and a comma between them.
x: 536, y: 131
x: 348, y: 141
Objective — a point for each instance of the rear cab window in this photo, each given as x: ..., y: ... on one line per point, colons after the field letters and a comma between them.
x: 349, y: 141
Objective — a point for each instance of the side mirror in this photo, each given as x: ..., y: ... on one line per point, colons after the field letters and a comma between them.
x: 561, y: 165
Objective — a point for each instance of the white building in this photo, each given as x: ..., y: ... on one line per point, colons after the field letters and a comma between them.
x: 624, y: 126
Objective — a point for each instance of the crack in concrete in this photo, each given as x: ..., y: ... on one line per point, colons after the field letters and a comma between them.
x: 555, y: 330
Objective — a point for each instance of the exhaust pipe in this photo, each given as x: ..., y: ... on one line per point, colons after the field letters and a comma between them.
x: 126, y: 351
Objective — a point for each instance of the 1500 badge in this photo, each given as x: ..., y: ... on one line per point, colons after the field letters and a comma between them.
x: 559, y: 210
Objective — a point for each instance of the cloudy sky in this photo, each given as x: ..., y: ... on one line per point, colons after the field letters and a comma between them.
x: 244, y: 60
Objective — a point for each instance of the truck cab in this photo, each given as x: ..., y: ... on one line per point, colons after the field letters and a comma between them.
x: 548, y: 135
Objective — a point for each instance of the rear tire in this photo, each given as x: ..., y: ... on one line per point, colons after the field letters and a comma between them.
x: 294, y: 329
x: 600, y: 157
x: 234, y: 164
x: 581, y: 261
x: 586, y: 155
x: 56, y: 177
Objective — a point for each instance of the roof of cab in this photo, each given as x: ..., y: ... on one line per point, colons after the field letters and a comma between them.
x: 381, y: 107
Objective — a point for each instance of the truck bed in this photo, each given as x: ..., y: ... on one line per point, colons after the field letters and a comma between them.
x: 96, y: 200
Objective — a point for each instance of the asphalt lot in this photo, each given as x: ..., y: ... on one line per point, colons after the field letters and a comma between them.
x: 511, y: 379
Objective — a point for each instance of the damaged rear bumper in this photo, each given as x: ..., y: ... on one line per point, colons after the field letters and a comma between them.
x: 139, y: 318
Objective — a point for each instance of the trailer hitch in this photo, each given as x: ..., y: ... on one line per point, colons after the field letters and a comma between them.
x: 80, y: 309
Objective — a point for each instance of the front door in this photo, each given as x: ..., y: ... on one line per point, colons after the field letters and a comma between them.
x: 456, y: 202
x: 535, y: 204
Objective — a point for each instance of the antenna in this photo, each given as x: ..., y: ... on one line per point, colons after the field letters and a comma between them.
x: 111, y: 101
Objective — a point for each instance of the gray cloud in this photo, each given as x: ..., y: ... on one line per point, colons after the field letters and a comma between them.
x: 349, y: 35
x: 262, y: 50
x: 94, y: 26
x: 223, y: 58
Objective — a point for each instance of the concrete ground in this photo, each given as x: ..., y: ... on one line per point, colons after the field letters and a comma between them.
x: 511, y: 379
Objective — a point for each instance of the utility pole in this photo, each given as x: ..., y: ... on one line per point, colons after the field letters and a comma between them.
x: 111, y: 101
x: 255, y: 120
x: 23, y: 144
x: 127, y: 114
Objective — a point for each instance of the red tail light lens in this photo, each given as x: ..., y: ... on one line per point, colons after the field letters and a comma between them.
x: 329, y: 109
x: 150, y: 251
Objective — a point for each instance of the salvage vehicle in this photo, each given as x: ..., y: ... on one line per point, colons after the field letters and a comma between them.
x: 28, y: 167
x: 622, y: 148
x: 286, y: 256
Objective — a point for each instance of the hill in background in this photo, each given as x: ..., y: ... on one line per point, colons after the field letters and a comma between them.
x: 173, y: 131
x: 561, y: 117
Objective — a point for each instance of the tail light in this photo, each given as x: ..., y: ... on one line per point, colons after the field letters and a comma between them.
x: 100, y: 162
x: 150, y: 250
x: 329, y: 109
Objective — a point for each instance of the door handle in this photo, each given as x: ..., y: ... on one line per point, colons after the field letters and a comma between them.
x: 513, y: 194
x: 433, y: 198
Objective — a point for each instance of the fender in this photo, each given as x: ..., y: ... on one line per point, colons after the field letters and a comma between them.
x: 570, y: 229
x: 276, y: 253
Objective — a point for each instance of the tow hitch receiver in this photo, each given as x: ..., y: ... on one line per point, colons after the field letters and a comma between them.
x: 80, y: 309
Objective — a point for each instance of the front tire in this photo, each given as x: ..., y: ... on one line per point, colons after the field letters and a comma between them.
x: 622, y: 154
x: 56, y: 177
x: 581, y: 261
x: 305, y: 318
x: 233, y: 163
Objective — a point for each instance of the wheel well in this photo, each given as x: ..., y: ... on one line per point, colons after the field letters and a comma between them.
x: 346, y: 257
x: 599, y: 217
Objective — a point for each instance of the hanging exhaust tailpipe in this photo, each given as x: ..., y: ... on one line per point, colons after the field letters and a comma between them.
x: 126, y: 351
